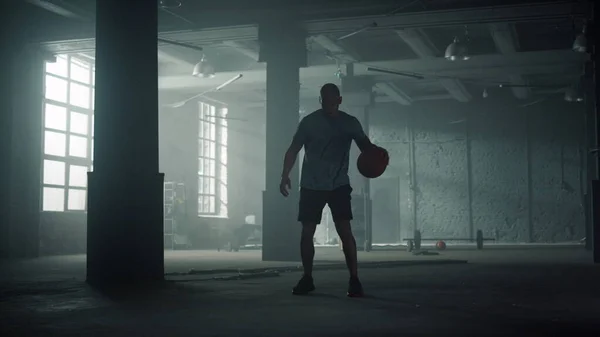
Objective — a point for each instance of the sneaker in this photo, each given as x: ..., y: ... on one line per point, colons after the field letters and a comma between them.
x: 355, y: 288
x: 304, y: 286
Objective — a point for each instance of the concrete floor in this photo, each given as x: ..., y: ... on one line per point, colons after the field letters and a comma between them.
x: 540, y: 291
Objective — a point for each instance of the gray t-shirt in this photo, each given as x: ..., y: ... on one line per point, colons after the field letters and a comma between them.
x: 326, y: 140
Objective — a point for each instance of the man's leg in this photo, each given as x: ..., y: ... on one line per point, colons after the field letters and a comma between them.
x: 307, y: 247
x: 309, y: 214
x: 340, y: 203
x: 344, y: 231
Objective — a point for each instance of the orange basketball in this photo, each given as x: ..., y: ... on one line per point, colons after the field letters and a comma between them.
x: 372, y: 163
x: 441, y: 245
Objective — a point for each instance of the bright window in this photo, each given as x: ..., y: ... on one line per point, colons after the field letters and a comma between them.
x: 68, y: 133
x: 212, y: 161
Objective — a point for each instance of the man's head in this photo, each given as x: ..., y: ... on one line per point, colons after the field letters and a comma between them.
x: 330, y: 97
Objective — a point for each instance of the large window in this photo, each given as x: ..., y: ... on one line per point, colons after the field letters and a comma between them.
x: 212, y: 161
x: 68, y: 133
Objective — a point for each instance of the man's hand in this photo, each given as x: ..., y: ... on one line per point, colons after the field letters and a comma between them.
x: 285, y: 185
x: 385, y: 154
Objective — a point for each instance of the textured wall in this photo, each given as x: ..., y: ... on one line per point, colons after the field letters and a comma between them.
x: 499, y: 140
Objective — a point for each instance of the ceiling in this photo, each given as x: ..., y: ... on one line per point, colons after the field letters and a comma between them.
x: 525, y: 47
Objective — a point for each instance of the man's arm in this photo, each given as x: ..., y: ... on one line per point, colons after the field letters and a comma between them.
x: 360, y: 138
x: 292, y: 152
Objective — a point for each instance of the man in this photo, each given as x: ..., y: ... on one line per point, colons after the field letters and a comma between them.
x: 326, y: 135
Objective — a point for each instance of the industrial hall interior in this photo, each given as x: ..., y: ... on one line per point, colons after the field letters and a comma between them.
x: 485, y: 221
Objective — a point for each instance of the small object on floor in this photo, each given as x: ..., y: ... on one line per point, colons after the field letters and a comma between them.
x: 355, y: 288
x: 304, y: 286
x: 441, y: 245
x: 424, y: 252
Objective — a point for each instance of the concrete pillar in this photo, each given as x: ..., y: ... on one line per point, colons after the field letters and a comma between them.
x: 125, y: 198
x: 357, y: 100
x: 596, y: 183
x: 21, y: 143
x: 8, y: 41
x: 283, y: 47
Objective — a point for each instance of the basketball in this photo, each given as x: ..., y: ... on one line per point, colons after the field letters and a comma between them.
x: 441, y: 245
x: 372, y: 163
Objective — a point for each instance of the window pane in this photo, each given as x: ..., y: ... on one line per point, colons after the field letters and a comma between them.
x: 55, y: 117
x: 94, y: 76
x: 53, y: 199
x: 78, y: 176
x: 78, y: 146
x: 201, y: 147
x: 200, y: 166
x: 93, y: 99
x: 56, y: 89
x: 79, y: 95
x: 92, y: 149
x: 93, y: 121
x: 80, y: 71
x: 55, y: 143
x: 211, y: 205
x: 212, y: 147
x: 206, y: 130
x: 54, y: 172
x: 213, y: 131
x: 212, y: 185
x: 212, y: 168
x: 205, y: 185
x: 79, y: 123
x: 59, y: 67
x: 76, y: 200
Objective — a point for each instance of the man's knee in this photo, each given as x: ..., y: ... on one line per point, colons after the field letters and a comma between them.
x: 308, y: 230
x: 344, y: 229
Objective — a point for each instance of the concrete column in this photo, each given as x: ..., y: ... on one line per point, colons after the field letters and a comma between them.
x: 125, y: 193
x: 9, y: 39
x: 21, y: 143
x: 283, y: 47
x: 596, y: 183
x: 357, y: 99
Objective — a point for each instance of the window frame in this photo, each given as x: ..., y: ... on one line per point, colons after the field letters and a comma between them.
x: 68, y: 159
x: 217, y: 207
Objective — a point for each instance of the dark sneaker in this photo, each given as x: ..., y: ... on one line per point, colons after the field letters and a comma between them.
x: 355, y: 289
x: 304, y: 286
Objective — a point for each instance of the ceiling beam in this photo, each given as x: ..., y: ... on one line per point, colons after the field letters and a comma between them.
x: 506, y: 40
x: 64, y: 9
x: 491, y: 66
x: 168, y: 57
x: 514, y: 13
x: 340, y: 53
x: 420, y: 43
x: 335, y: 49
x: 397, y: 95
x: 526, y: 12
x: 242, y: 49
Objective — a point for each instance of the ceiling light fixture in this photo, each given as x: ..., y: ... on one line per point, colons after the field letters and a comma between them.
x: 574, y: 94
x: 203, y: 69
x: 457, y: 51
x: 580, y: 44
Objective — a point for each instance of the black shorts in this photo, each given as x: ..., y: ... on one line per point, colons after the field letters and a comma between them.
x: 312, y: 203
